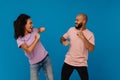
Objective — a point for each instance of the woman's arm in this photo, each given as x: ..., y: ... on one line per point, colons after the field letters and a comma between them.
x: 30, y: 48
x: 41, y: 29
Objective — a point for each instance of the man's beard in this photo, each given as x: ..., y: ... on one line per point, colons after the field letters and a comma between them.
x: 79, y: 26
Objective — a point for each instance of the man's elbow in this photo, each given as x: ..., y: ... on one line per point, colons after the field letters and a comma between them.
x: 91, y: 49
x: 62, y: 39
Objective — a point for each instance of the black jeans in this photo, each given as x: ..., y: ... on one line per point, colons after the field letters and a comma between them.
x: 68, y: 69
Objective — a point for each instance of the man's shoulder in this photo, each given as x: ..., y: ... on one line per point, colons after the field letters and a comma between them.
x: 71, y: 28
x: 89, y: 31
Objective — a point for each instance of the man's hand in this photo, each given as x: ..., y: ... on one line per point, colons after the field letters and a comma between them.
x: 80, y: 34
x: 66, y: 43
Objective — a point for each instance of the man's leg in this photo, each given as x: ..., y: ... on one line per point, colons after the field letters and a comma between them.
x: 66, y: 71
x: 83, y: 72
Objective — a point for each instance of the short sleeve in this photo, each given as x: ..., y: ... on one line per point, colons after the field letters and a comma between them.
x: 19, y: 42
x: 92, y: 39
x: 66, y: 35
x: 35, y: 30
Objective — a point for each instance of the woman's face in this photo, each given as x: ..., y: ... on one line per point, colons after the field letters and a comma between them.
x: 28, y: 26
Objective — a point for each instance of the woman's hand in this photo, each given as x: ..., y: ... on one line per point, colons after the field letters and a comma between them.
x: 41, y: 29
x: 37, y: 36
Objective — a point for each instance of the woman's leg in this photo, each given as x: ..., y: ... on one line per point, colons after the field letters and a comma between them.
x: 47, y: 67
x: 34, y: 71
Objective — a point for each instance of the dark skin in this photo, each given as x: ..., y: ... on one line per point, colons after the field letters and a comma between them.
x: 81, y: 18
x: 88, y: 45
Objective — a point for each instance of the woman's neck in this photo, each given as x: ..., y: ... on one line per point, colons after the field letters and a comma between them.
x: 26, y: 33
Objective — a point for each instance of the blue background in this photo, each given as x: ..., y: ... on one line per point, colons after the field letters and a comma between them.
x: 58, y: 16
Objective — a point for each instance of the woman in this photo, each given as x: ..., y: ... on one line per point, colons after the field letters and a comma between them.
x: 27, y: 38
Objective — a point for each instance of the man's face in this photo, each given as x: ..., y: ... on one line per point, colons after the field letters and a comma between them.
x: 78, y: 22
x: 29, y: 26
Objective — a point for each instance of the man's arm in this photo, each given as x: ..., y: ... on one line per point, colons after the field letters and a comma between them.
x: 64, y: 41
x: 30, y: 48
x: 88, y: 45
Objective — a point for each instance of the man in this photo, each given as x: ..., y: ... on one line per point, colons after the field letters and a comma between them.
x: 81, y: 41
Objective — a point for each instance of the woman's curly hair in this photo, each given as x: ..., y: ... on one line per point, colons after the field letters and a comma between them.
x: 19, y: 25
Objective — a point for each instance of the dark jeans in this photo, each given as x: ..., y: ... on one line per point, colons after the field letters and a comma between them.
x: 68, y: 69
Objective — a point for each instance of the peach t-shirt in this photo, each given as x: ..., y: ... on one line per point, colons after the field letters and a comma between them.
x: 77, y: 54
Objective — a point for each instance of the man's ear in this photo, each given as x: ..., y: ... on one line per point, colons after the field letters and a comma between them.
x: 84, y: 22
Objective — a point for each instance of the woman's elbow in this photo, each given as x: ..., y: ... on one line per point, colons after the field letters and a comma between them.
x: 28, y: 50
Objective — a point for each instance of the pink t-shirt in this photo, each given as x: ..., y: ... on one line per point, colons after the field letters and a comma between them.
x: 38, y: 53
x: 77, y: 54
